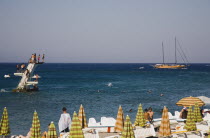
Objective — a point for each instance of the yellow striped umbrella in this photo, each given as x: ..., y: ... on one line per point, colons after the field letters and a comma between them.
x: 128, y: 129
x: 119, y: 121
x: 82, y: 117
x: 197, y: 113
x: 76, y: 129
x: 4, y: 124
x: 52, y: 131
x: 165, y: 129
x: 140, y: 119
x: 36, y: 132
x: 190, y: 101
x: 190, y: 122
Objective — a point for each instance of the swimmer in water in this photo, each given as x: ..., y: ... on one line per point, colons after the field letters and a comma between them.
x: 149, y: 91
x: 161, y: 94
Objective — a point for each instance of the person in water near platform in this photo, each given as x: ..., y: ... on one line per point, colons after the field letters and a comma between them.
x: 149, y: 91
x: 151, y: 113
x: 64, y: 123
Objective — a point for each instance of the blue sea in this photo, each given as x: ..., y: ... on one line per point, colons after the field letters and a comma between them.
x: 70, y: 85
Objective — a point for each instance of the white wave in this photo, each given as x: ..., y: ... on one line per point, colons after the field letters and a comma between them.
x: 109, y: 84
x: 3, y: 90
x: 205, y: 99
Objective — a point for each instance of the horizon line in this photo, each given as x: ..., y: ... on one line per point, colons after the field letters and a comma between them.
x: 107, y: 63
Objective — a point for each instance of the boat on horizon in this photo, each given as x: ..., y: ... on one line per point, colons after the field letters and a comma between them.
x: 175, y: 65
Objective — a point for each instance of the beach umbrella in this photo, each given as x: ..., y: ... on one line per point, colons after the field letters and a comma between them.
x: 190, y: 101
x: 52, y: 131
x: 192, y: 115
x: 119, y: 121
x: 4, y: 124
x: 165, y: 129
x: 35, y: 132
x: 190, y: 123
x: 76, y: 129
x: 82, y: 117
x: 140, y: 119
x: 209, y: 133
x: 128, y: 129
x: 197, y: 113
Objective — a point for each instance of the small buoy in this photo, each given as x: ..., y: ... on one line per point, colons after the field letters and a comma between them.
x: 110, y: 84
x: 6, y: 76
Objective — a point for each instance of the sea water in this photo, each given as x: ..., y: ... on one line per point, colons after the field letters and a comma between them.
x: 69, y: 85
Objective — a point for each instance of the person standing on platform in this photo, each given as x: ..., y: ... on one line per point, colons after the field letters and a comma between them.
x: 34, y: 57
x: 43, y: 58
x: 38, y: 58
x: 64, y: 123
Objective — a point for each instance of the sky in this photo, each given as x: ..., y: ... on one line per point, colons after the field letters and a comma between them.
x: 104, y: 31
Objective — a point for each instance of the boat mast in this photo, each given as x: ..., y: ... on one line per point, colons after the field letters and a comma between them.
x: 175, y: 51
x: 163, y: 53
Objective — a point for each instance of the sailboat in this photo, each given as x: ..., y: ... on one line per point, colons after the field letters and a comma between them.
x: 171, y: 66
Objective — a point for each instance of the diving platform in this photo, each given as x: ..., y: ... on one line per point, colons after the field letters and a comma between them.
x: 18, y: 74
x: 27, y: 82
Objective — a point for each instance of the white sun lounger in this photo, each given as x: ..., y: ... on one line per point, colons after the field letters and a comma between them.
x: 92, y: 122
x: 144, y: 132
x: 206, y: 117
x: 170, y: 115
x: 115, y: 136
x: 107, y: 121
x: 176, y: 115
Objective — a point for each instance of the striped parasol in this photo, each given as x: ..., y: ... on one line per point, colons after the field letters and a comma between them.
x: 190, y: 101
x: 52, y: 131
x: 140, y: 119
x: 4, y: 124
x: 165, y: 129
x: 197, y: 113
x: 82, y: 117
x: 76, y: 130
x: 190, y: 123
x: 209, y: 133
x: 128, y: 129
x: 35, y: 132
x: 193, y: 115
x: 119, y: 121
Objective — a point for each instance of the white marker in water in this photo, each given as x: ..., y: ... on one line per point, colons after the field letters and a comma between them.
x: 110, y: 84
